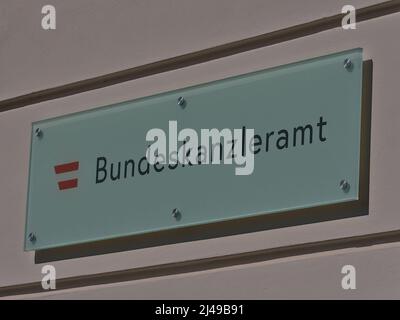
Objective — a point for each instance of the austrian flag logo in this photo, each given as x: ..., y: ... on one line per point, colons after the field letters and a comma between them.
x: 64, y: 168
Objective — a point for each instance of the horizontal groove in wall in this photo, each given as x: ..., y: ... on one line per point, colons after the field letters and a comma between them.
x: 206, y: 263
x: 198, y: 57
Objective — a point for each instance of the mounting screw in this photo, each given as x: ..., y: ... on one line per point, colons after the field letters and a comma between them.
x: 181, y: 101
x: 32, y: 237
x: 348, y: 65
x: 176, y: 214
x: 344, y: 185
x: 38, y: 132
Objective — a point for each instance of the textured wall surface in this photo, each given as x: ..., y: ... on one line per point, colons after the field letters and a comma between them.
x: 94, y: 37
x: 316, y: 276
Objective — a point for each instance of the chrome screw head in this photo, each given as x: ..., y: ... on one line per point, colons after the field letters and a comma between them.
x: 348, y: 64
x: 344, y: 185
x: 176, y: 214
x: 38, y: 132
x: 32, y: 237
x: 181, y: 101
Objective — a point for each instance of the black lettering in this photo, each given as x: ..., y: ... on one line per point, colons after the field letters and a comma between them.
x: 158, y: 169
x: 132, y: 164
x: 233, y: 155
x: 267, y: 140
x: 200, y: 154
x: 147, y: 170
x: 302, y: 129
x: 219, y: 144
x: 284, y: 138
x: 320, y: 124
x: 117, y: 176
x: 256, y: 144
x: 173, y: 166
x: 101, y: 169
x: 243, y: 141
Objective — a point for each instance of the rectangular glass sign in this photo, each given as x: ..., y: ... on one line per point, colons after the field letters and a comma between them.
x: 285, y: 138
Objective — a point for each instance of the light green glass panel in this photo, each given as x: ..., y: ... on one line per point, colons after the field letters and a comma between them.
x: 284, y: 178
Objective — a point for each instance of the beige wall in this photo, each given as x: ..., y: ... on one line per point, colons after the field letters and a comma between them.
x: 314, y: 276
x: 98, y: 37
x: 95, y: 37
